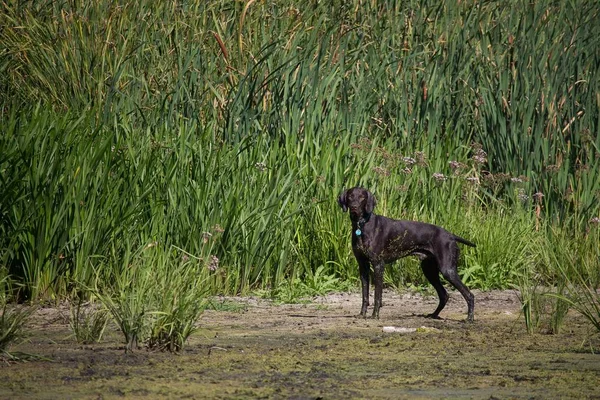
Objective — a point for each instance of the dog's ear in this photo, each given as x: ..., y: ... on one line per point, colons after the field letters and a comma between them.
x: 371, y: 203
x: 342, y: 201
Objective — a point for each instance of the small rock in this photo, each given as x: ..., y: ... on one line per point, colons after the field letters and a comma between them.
x: 398, y: 329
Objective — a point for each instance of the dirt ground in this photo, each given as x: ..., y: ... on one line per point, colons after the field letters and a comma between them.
x: 320, y: 350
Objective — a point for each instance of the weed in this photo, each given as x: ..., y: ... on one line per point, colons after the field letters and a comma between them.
x: 583, y: 298
x: 125, y: 293
x: 155, y: 299
x: 12, y: 319
x: 87, y: 321
x: 178, y: 298
x: 12, y: 324
x: 559, y: 309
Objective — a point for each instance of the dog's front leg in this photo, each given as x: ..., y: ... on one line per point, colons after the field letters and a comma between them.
x: 378, y: 269
x: 364, y: 268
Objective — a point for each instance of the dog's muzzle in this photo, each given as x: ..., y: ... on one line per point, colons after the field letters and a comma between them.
x: 356, y: 215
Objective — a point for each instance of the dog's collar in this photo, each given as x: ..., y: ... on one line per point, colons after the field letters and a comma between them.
x: 360, y: 224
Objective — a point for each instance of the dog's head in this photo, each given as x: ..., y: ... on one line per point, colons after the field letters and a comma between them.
x: 359, y: 201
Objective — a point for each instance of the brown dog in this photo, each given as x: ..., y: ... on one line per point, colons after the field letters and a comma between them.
x: 377, y: 240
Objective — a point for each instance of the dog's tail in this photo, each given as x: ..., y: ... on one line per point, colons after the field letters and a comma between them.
x: 464, y: 241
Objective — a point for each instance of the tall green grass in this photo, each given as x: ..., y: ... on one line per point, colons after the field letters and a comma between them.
x: 226, y: 130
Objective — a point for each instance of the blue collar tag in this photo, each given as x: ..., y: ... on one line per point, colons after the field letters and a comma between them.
x: 358, y: 232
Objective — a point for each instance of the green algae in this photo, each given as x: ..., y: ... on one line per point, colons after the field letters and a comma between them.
x: 319, y: 352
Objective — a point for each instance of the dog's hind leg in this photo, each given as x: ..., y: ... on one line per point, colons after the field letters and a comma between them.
x: 430, y: 268
x: 449, y: 272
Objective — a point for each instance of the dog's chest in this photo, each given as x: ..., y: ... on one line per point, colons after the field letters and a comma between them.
x: 360, y: 244
x: 367, y: 245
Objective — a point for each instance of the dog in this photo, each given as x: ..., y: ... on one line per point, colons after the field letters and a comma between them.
x: 378, y: 240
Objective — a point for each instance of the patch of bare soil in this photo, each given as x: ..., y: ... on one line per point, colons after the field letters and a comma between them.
x: 320, y: 350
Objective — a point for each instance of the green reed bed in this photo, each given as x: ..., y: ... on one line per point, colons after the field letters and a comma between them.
x: 222, y: 132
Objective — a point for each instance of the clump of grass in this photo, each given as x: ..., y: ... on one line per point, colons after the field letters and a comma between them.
x: 562, y: 274
x: 559, y: 308
x: 87, y: 321
x: 179, y: 300
x: 544, y: 308
x: 528, y: 297
x: 12, y: 324
x: 155, y: 299
x: 572, y: 260
x: 582, y: 294
x: 129, y: 312
x: 12, y: 319
x: 586, y: 300
x: 125, y: 292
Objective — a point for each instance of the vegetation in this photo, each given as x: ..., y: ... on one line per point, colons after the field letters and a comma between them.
x: 219, y: 134
x: 12, y: 323
x: 87, y: 321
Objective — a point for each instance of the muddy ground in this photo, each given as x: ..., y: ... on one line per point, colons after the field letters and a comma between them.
x: 257, y: 349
